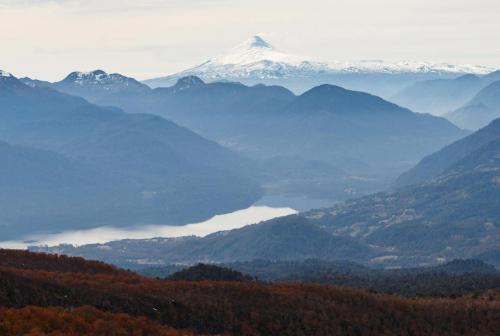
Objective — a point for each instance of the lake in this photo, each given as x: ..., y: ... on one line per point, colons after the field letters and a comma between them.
x: 233, y: 220
x: 268, y: 207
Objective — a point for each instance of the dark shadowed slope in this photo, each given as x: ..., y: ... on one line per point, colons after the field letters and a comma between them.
x: 343, y: 123
x: 207, y: 272
x: 435, y: 164
x: 160, y: 172
x: 455, y: 215
x: 39, y: 187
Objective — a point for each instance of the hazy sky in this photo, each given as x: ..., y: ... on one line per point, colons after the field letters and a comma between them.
x: 47, y: 39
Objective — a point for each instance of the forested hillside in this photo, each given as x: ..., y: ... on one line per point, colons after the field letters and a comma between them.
x: 456, y: 278
x: 230, y: 308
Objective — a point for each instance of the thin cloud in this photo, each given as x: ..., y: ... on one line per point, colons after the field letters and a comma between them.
x: 48, y: 38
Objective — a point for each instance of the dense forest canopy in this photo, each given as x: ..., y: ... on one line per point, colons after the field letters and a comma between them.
x: 233, y: 308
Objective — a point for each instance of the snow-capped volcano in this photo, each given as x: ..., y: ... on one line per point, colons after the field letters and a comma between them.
x: 253, y: 59
x: 257, y: 61
x: 256, y: 58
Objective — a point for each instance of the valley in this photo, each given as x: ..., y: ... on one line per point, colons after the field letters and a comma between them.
x: 237, y: 168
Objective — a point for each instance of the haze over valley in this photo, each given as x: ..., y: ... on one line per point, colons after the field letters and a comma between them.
x: 119, y: 158
x: 337, y: 173
x: 105, y: 154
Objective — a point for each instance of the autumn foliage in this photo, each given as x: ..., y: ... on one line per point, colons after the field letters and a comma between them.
x: 242, y: 308
x: 37, y: 321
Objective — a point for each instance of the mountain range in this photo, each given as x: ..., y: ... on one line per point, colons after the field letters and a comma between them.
x: 95, y: 86
x: 256, y: 61
x: 332, y: 142
x: 72, y: 164
x: 469, y: 101
x: 451, y: 213
x: 441, y: 96
x: 329, y: 139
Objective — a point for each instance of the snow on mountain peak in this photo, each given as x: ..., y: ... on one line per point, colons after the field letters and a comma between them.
x: 79, y: 77
x: 98, y: 77
x: 5, y: 74
x: 257, y: 50
x: 257, y: 60
x: 380, y: 66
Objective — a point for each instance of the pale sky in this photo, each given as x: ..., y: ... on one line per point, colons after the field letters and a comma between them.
x: 47, y: 39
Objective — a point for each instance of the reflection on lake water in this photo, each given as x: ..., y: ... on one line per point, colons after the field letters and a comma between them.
x: 233, y: 220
